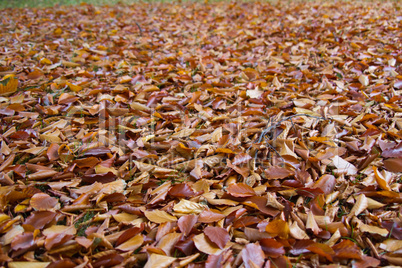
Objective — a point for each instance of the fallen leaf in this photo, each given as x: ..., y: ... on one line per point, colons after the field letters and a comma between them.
x: 159, y: 216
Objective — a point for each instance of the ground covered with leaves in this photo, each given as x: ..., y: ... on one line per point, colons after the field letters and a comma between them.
x: 196, y: 134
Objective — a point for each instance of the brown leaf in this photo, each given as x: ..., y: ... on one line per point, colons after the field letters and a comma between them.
x: 108, y: 260
x: 240, y: 190
x: 260, y: 203
x: 393, y: 152
x: 204, y: 245
x: 381, y: 180
x: 395, y: 228
x: 210, y: 215
x: 102, y: 178
x: 241, y: 158
x: 322, y: 250
x: 57, y: 239
x: 186, y: 223
x: 35, y: 74
x: 39, y: 219
x: 278, y: 227
x: 159, y: 216
x: 366, y: 262
x: 326, y: 183
x: 42, y: 201
x: 53, y: 152
x: 23, y: 242
x: 88, y: 162
x: 132, y: 243
x: 252, y: 255
x: 181, y: 190
x: 272, y: 248
x: 217, y: 235
x: 99, y: 151
x: 276, y: 172
x: 393, y: 164
x: 346, y: 249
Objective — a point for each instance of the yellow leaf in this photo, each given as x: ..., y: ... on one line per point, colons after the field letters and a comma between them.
x: 73, y: 87
x: 203, y: 245
x: 159, y: 216
x: 132, y: 244
x: 188, y: 207
x: 70, y: 64
x: 360, y: 205
x: 125, y: 79
x: 45, y: 61
x: 381, y: 180
x: 8, y: 85
x: 58, y: 31
x: 159, y: 261
x: 27, y: 264
x: 125, y: 218
x: 4, y: 217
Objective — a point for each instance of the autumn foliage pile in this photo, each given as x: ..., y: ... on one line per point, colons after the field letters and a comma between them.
x: 195, y: 134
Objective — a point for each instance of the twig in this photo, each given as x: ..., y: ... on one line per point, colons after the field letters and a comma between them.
x: 139, y: 27
x: 268, y: 130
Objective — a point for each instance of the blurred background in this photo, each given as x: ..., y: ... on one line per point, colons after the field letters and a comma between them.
x: 47, y: 3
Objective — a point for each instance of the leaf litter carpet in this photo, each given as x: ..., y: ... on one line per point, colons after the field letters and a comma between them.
x: 197, y: 134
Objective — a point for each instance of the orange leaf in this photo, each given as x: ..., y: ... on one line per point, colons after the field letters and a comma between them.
x: 240, y: 190
x: 278, y: 227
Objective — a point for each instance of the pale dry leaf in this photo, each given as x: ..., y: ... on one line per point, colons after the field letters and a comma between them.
x: 202, y: 244
x: 360, y: 205
x: 159, y: 261
x: 159, y: 216
x: 132, y: 244
x: 189, y: 207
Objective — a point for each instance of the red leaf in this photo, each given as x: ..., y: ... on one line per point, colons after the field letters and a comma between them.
x: 393, y: 164
x: 39, y: 219
x: 186, y: 223
x: 186, y: 246
x: 276, y: 172
x: 346, y: 249
x: 181, y: 190
x: 240, y: 190
x: 322, y: 250
x: 102, y: 178
x: 214, y: 261
x: 55, y: 240
x: 42, y: 201
x: 64, y: 263
x: 272, y: 248
x: 53, y: 152
x: 252, y: 255
x: 209, y: 216
x: 108, y: 260
x: 395, y: 228
x: 23, y: 241
x: 245, y: 221
x: 366, y: 262
x: 115, y: 197
x: 129, y: 233
x: 326, y: 183
x: 217, y: 235
x: 88, y: 162
x: 393, y: 152
x: 97, y: 151
x: 260, y: 203
x: 241, y: 159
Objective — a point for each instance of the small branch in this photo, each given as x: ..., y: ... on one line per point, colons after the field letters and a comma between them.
x: 139, y: 27
x: 267, y: 130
